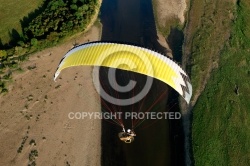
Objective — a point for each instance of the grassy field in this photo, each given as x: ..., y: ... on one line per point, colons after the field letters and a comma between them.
x: 210, y: 26
x: 11, y: 12
x: 221, y: 117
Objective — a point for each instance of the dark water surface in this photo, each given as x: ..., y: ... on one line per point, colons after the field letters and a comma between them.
x: 132, y: 21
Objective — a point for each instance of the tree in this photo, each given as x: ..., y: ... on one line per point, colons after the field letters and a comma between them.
x: 73, y: 7
x: 34, y: 42
x: 3, y: 54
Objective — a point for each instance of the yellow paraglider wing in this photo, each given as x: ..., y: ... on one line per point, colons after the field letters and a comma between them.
x: 131, y: 58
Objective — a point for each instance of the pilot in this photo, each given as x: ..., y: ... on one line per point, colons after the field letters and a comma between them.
x: 127, y: 137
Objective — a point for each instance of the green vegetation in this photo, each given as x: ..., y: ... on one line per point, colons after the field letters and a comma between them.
x: 208, y: 31
x: 49, y: 25
x: 32, y: 157
x: 59, y: 19
x: 11, y: 13
x: 32, y: 142
x: 221, y: 119
x: 19, y: 150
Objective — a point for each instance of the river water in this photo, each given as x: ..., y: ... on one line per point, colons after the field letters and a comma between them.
x: 132, y: 21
